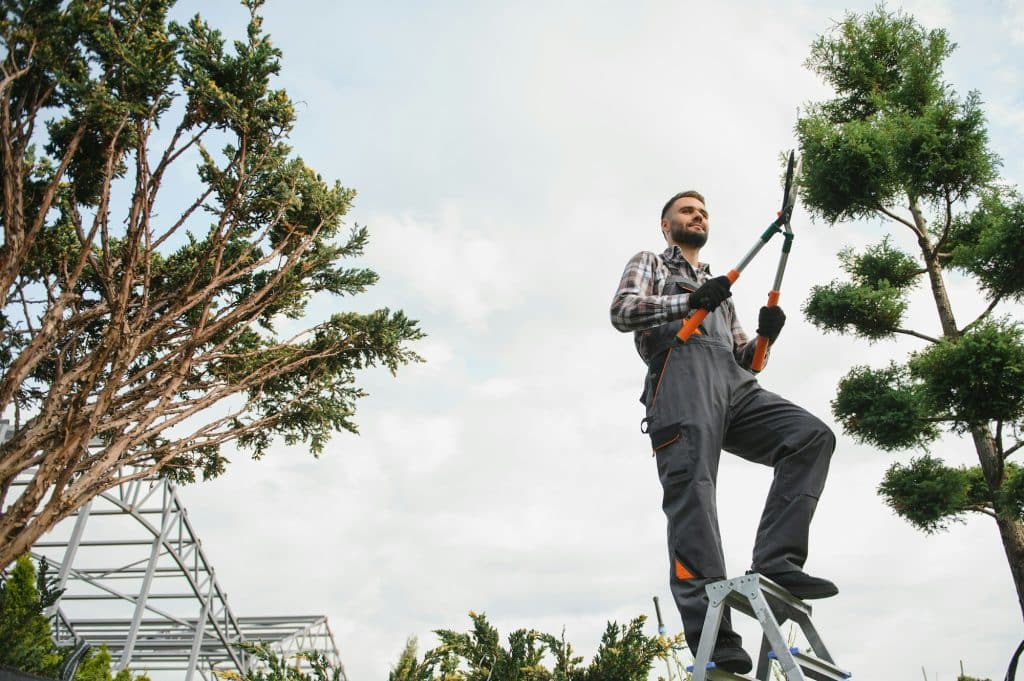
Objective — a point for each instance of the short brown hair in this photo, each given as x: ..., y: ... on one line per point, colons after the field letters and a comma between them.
x: 695, y: 194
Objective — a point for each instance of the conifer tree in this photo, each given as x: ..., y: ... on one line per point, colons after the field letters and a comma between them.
x: 162, y: 248
x: 898, y: 143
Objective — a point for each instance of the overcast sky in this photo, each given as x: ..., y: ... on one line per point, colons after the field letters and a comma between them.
x: 509, y: 158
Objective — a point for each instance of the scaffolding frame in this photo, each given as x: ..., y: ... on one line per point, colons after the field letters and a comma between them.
x: 136, y: 579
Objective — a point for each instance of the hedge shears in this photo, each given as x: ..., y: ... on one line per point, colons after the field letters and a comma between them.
x: 781, y: 224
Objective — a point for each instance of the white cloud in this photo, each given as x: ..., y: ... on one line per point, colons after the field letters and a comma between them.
x: 461, y: 270
x: 509, y: 160
x: 1015, y: 20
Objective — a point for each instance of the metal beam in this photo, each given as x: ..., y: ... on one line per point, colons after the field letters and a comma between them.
x: 111, y: 589
x: 197, y: 641
x: 147, y: 582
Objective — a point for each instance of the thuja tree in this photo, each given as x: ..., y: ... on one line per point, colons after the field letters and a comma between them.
x: 25, y: 636
x: 26, y: 639
x: 158, y: 232
x: 898, y: 143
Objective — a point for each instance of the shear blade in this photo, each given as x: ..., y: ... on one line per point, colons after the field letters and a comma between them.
x: 789, y: 193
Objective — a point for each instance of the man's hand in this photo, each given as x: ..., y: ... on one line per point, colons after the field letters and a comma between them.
x: 711, y: 294
x: 770, y: 321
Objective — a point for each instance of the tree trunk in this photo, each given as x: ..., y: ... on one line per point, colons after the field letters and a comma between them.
x: 934, y: 269
x: 1011, y: 531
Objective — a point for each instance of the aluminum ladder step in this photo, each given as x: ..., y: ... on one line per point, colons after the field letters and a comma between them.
x: 771, y: 605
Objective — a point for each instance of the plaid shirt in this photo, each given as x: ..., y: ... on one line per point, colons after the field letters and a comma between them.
x: 640, y: 302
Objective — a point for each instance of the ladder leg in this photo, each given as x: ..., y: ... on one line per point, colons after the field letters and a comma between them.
x: 813, y: 639
x: 764, y: 665
x: 773, y: 633
x: 708, y: 636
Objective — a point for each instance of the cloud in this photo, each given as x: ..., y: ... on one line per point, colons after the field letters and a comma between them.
x: 509, y: 160
x: 458, y: 270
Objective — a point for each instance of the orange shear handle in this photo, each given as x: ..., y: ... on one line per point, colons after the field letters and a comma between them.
x: 761, y: 349
x: 690, y: 325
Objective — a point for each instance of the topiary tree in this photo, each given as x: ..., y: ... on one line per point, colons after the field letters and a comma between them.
x: 162, y: 243
x: 897, y: 142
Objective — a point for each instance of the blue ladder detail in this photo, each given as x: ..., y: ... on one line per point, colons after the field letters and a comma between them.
x: 709, y: 665
x: 772, y: 656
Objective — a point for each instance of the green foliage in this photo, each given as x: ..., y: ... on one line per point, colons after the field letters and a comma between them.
x: 274, y: 667
x: 25, y: 638
x: 894, y: 129
x: 897, y: 142
x: 881, y: 264
x: 880, y: 61
x: 26, y: 641
x: 872, y: 312
x: 408, y: 667
x: 624, y: 654
x: 977, y: 378
x: 97, y: 666
x: 884, y: 407
x: 930, y: 495
x: 1011, y: 493
x: 483, y: 657
x: 872, y: 306
x: 847, y: 170
x: 989, y: 243
x: 165, y: 333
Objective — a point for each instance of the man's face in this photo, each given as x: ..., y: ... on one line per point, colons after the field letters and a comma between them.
x: 686, y: 222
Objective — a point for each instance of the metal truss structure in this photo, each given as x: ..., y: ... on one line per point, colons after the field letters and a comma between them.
x: 136, y: 579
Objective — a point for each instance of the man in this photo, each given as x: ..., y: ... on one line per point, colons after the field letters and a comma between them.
x: 701, y: 398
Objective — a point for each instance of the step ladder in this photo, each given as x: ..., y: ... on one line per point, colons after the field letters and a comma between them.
x: 771, y: 605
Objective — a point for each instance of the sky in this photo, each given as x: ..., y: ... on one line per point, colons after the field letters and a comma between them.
x: 509, y: 158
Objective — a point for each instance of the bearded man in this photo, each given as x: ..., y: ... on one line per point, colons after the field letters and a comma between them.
x: 702, y: 398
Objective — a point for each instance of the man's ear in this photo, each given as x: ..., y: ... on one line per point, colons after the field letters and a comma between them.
x: 664, y: 228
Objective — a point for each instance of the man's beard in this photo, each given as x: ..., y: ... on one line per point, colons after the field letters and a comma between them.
x: 686, y: 237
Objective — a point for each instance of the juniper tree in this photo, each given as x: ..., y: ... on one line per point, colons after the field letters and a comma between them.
x: 899, y: 143
x: 625, y: 653
x: 162, y: 244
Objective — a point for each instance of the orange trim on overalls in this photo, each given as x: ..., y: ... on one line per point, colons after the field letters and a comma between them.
x: 657, y: 388
x: 682, y: 572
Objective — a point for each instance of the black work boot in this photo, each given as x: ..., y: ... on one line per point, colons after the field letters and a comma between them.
x: 728, y: 653
x: 803, y: 585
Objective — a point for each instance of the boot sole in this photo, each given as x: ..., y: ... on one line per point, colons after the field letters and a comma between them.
x: 811, y: 594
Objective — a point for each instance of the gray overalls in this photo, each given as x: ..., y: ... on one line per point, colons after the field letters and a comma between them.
x: 700, y: 401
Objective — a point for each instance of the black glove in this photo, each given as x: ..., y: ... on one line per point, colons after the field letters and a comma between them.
x: 770, y: 321
x: 711, y: 294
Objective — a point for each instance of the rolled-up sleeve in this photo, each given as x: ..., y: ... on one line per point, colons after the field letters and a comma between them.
x: 636, y: 305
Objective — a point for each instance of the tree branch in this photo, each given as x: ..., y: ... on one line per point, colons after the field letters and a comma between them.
x: 945, y: 227
x: 984, y: 315
x: 885, y: 211
x: 911, y: 332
